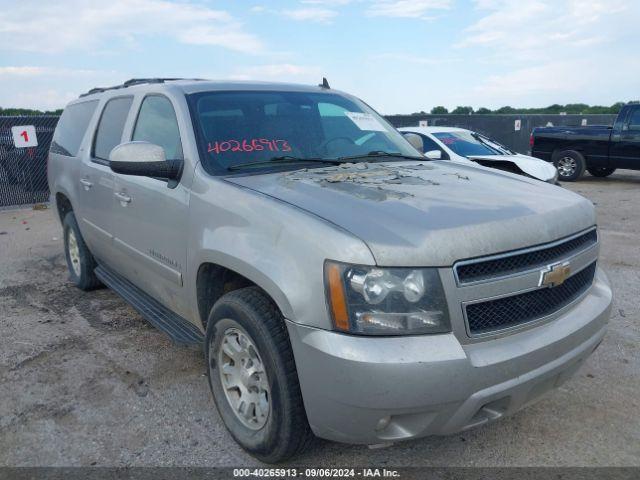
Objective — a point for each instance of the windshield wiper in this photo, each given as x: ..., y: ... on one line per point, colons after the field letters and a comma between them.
x: 380, y: 154
x: 284, y: 159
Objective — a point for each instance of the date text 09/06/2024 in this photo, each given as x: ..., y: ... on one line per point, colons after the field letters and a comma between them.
x: 315, y: 472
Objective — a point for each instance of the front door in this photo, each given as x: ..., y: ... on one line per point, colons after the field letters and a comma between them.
x: 624, y: 151
x: 151, y: 215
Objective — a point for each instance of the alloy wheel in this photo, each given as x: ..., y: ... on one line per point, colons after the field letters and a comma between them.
x: 244, y: 379
x: 74, y: 252
x: 567, y: 166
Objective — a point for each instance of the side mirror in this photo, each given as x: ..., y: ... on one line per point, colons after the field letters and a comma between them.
x: 144, y: 159
x: 415, y: 140
x: 433, y: 154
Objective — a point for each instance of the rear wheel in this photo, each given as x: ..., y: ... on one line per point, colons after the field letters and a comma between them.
x: 601, y: 171
x: 80, y: 262
x: 570, y: 165
x: 253, y: 377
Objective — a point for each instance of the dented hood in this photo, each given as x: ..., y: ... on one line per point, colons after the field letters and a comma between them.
x: 431, y: 213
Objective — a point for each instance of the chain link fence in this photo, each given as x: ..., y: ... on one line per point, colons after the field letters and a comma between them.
x: 23, y: 169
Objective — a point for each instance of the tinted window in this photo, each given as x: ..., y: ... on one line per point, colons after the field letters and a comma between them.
x: 634, y: 119
x: 157, y: 124
x: 71, y: 128
x: 109, y: 134
x: 241, y: 128
x: 467, y: 143
x: 429, y: 144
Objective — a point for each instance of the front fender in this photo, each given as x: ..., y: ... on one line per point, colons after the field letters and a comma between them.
x: 277, y: 246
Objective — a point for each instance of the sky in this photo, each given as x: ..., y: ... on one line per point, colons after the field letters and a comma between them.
x: 400, y: 56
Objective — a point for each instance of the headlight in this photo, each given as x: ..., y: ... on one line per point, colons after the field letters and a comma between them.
x: 386, y: 301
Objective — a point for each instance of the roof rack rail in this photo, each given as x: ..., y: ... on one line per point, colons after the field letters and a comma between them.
x: 132, y: 82
x: 139, y: 81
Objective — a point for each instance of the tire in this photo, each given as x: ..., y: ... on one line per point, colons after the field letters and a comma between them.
x: 283, y: 431
x: 80, y: 262
x: 601, y: 171
x: 570, y: 165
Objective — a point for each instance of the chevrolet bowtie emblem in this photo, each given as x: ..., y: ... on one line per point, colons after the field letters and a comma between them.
x: 555, y: 275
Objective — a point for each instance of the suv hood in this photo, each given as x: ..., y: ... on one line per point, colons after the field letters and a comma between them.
x: 531, y: 166
x: 431, y: 213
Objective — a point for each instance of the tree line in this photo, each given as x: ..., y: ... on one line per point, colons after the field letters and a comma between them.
x: 28, y: 112
x: 569, y: 108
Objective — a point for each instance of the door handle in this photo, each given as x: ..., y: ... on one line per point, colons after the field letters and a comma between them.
x: 124, y: 199
x: 86, y: 183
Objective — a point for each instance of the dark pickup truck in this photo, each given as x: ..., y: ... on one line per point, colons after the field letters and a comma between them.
x: 598, y: 149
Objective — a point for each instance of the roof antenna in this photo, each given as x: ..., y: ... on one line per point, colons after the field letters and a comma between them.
x: 325, y: 83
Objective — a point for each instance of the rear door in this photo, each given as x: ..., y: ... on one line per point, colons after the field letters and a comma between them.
x: 624, y: 150
x: 151, y: 214
x: 96, y: 178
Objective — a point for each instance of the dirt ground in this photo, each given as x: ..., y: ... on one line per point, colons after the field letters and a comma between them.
x: 84, y: 380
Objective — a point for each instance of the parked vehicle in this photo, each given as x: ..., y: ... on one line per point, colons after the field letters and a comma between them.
x: 340, y: 283
x: 599, y: 149
x: 460, y: 145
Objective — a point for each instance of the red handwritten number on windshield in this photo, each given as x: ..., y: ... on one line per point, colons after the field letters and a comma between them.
x: 25, y: 135
x: 246, y: 146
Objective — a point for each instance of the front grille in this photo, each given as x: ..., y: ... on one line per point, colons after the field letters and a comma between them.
x: 518, y: 262
x: 491, y: 315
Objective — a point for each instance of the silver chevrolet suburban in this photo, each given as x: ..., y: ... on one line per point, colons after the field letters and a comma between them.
x: 339, y: 283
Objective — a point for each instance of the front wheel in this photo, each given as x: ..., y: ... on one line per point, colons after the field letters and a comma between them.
x: 601, y: 171
x: 253, y: 378
x: 570, y: 165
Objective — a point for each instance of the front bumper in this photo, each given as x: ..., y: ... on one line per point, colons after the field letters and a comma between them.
x: 371, y: 390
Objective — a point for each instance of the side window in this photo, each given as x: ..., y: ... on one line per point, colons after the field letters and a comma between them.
x: 157, y: 124
x: 429, y: 144
x: 109, y: 133
x: 71, y: 128
x: 634, y: 119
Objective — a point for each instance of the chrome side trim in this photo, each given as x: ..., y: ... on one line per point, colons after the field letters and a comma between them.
x: 161, y: 269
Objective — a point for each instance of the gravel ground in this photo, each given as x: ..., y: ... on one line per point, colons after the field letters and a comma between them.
x: 85, y: 381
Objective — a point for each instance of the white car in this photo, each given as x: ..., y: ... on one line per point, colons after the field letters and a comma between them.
x: 460, y: 145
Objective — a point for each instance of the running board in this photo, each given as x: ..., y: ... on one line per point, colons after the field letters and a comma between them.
x: 181, y: 331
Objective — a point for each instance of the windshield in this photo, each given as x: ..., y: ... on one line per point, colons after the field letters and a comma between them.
x: 247, y: 129
x: 468, y: 144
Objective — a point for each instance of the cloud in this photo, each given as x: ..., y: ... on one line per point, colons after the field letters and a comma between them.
x: 406, y: 8
x: 41, y: 99
x: 49, y: 88
x: 413, y: 59
x: 67, y: 25
x: 279, y: 71
x: 553, y: 77
x: 314, y: 14
x: 327, y: 2
x: 566, y: 81
x: 549, y: 51
x: 531, y: 27
x: 36, y: 71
